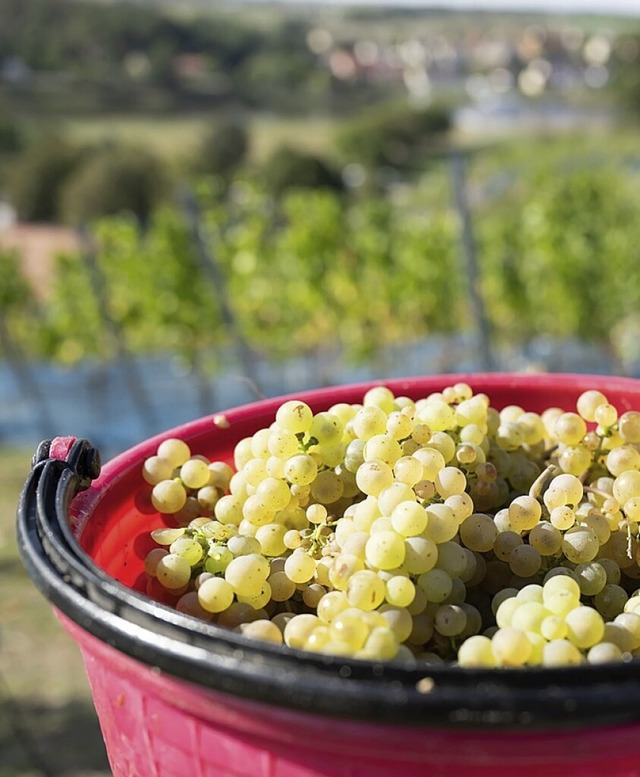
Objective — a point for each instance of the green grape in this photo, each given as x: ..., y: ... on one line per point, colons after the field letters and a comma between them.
x: 610, y: 601
x: 400, y: 591
x: 175, y: 451
x: 580, y: 545
x: 626, y: 486
x: 629, y: 426
x: 546, y: 539
x: 553, y: 627
x: 385, y: 550
x: 187, y: 548
x: 461, y: 505
x: 524, y: 513
x: 441, y: 523
x: 529, y: 616
x: 301, y: 469
x: 588, y: 402
x: 215, y: 595
x: 525, y: 561
x: 173, y: 572
x: 344, y: 566
x: 399, y: 425
x: 247, y: 574
x: 348, y: 627
x: 168, y: 496
x: 155, y: 469
x: 331, y: 604
x: 373, y: 477
x: 271, y: 539
x: 479, y: 532
x: 262, y: 629
x: 451, y: 559
x: 570, y: 428
x: 189, y: 604
x: 563, y: 490
x: 450, y: 620
x: 436, y: 584
x: 381, y: 645
x: 561, y: 652
x: 151, y: 560
x: 604, y: 653
x: 510, y: 647
x: 220, y: 474
x: 585, y: 627
x: 382, y: 447
x: 300, y: 567
x: 295, y: 416
x: 420, y: 555
x: 218, y: 558
x: 476, y: 652
x: 432, y: 462
x: 505, y: 611
x: 437, y: 414
x: 592, y: 578
x: 409, y: 519
x: 195, y: 473
x: 312, y: 594
x: 389, y: 498
x: 605, y: 415
x: 257, y: 600
x: 299, y: 628
x: 327, y: 487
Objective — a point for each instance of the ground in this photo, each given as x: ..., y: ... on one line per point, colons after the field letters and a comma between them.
x: 48, y: 727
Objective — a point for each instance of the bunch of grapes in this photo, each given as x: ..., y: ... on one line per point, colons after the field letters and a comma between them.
x: 435, y: 530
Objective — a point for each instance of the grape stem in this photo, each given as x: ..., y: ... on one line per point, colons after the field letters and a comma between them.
x: 541, y: 483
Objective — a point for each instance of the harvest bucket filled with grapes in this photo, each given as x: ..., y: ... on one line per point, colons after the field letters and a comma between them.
x: 430, y: 576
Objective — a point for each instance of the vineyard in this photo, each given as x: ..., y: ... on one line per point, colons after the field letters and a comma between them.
x: 231, y: 277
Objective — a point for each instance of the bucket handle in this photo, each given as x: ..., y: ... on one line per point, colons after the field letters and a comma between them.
x: 77, y: 453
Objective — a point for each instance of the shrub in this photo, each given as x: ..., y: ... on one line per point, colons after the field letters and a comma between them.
x: 223, y: 149
x: 289, y: 168
x: 112, y: 180
x: 37, y: 177
x: 399, y: 137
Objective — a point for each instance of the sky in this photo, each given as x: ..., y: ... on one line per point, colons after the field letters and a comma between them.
x: 622, y: 7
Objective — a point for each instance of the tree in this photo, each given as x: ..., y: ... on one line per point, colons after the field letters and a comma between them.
x: 114, y: 179
x: 223, y: 149
x: 396, y: 137
x: 288, y: 168
x: 38, y: 175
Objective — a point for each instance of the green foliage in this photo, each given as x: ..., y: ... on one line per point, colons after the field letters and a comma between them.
x: 288, y: 168
x: 36, y: 178
x: 11, y: 136
x: 19, y: 311
x: 105, y: 49
x: 75, y: 328
x: 113, y: 180
x: 223, y: 149
x: 564, y: 259
x: 395, y: 136
x: 14, y: 287
x: 317, y: 270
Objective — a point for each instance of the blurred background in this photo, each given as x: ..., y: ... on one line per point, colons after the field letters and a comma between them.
x: 203, y: 203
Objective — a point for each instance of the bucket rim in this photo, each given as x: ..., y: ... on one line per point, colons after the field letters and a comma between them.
x: 216, y: 657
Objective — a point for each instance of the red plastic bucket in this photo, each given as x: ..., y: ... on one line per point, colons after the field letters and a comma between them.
x: 178, y: 697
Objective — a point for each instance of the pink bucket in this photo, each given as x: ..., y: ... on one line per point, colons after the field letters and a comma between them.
x: 179, y: 697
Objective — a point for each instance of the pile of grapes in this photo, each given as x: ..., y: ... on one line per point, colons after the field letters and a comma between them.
x: 436, y: 530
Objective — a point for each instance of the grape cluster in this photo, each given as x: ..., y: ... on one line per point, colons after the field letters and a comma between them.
x: 440, y: 529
